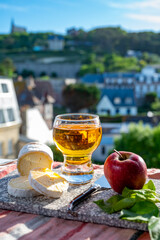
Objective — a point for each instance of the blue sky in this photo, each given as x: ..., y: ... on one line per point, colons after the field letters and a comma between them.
x: 59, y: 15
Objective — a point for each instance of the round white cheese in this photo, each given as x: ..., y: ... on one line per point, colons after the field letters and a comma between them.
x: 33, y: 155
x: 47, y: 182
x: 20, y: 187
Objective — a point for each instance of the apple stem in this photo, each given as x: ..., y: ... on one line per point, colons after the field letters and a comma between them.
x: 119, y: 154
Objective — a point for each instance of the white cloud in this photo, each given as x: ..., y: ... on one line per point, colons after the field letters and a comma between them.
x: 146, y: 4
x: 144, y: 17
x: 12, y: 7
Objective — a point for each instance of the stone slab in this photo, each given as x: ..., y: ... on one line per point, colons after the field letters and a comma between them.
x: 87, y: 211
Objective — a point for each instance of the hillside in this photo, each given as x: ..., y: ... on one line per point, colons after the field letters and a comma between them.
x: 100, y: 41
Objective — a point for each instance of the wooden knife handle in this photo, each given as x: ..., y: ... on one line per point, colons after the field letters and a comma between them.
x: 82, y: 197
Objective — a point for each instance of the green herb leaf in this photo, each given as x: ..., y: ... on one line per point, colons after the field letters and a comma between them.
x: 108, y: 206
x: 154, y: 228
x: 141, y: 211
x: 115, y: 203
x: 150, y: 185
x: 123, y: 204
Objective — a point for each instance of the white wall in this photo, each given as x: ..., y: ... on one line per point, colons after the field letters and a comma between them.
x: 105, y: 104
x: 9, y: 100
x: 36, y: 127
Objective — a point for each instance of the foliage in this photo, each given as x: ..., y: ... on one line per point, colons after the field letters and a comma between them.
x: 114, y: 63
x: 142, y: 140
x: 7, y: 68
x: 79, y: 96
x: 96, y: 67
x: 57, y: 155
x: 150, y: 102
x: 27, y: 73
x: 155, y: 106
x: 136, y: 205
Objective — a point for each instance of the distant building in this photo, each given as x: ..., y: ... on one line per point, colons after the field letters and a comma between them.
x: 36, y: 94
x: 17, y: 29
x: 72, y: 31
x: 38, y: 48
x: 110, y: 132
x: 56, y: 43
x: 133, y: 53
x: 10, y: 120
x: 148, y: 80
x: 91, y: 79
x: 125, y: 80
x: 117, y: 101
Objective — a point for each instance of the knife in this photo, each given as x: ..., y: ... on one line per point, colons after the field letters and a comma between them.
x: 100, y: 184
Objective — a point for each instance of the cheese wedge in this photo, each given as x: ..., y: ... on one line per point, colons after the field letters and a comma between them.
x: 34, y: 155
x: 20, y: 187
x: 47, y: 182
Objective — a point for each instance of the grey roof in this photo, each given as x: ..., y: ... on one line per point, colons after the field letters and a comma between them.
x: 92, y: 78
x: 51, y: 37
x: 122, y: 93
x: 119, y: 75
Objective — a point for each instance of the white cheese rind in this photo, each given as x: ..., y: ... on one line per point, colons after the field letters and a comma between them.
x: 35, y: 147
x: 20, y: 187
x: 47, y: 186
x: 34, y: 155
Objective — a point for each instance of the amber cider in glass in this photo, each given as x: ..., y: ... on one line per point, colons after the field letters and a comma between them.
x: 77, y: 140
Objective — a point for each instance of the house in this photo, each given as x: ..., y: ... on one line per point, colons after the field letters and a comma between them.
x: 97, y: 79
x: 117, y: 101
x: 55, y: 43
x: 148, y: 80
x: 36, y: 94
x: 110, y: 132
x: 10, y: 120
x: 119, y: 79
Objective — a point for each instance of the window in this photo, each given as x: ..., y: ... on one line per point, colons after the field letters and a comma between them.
x: 4, y: 88
x: 2, y: 119
x: 128, y: 100
x: 117, y: 110
x: 10, y: 113
x: 10, y: 147
x: 117, y: 100
x: 119, y: 80
x: 128, y: 111
x: 130, y: 80
x: 1, y: 151
x: 108, y: 112
x: 103, y: 150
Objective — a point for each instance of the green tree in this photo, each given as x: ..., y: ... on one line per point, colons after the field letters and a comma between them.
x: 155, y: 106
x: 149, y: 103
x: 114, y: 63
x: 96, y: 67
x: 7, y: 68
x: 26, y: 73
x: 57, y: 155
x: 79, y: 96
x: 142, y: 140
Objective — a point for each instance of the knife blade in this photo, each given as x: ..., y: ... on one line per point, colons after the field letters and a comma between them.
x: 98, y: 185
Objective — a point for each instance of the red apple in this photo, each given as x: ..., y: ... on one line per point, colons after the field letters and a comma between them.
x: 125, y: 169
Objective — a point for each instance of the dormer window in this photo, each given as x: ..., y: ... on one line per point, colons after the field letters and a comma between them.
x: 117, y: 100
x: 4, y: 88
x: 2, y: 119
x: 120, y: 80
x: 130, y: 80
x: 128, y: 100
x: 10, y: 113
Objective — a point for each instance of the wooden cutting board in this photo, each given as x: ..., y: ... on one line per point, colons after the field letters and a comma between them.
x: 87, y: 211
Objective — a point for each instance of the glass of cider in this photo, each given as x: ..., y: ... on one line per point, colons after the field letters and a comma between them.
x: 77, y: 136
